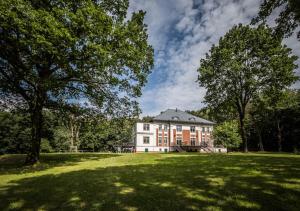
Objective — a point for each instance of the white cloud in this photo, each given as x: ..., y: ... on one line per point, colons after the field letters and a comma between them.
x: 181, y: 32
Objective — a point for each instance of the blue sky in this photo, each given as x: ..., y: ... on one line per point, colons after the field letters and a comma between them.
x: 181, y: 32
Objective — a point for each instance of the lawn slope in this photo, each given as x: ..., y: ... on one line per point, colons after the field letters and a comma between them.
x: 151, y: 182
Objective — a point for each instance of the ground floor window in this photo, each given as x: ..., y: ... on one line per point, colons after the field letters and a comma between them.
x: 178, y: 141
x: 146, y: 139
x: 146, y: 149
x: 193, y: 141
x: 166, y: 150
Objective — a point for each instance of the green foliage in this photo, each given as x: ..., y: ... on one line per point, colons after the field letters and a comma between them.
x: 61, y: 141
x: 288, y: 19
x: 248, y: 61
x: 54, y: 51
x: 45, y: 146
x: 227, y: 134
x: 14, y: 132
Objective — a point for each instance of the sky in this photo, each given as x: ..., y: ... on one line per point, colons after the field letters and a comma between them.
x: 181, y: 32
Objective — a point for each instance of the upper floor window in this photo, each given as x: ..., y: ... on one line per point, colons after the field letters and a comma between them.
x: 146, y: 127
x: 208, y: 130
x: 203, y: 129
x: 160, y: 127
x: 146, y: 140
x: 159, y: 140
x: 165, y: 140
x: 192, y: 129
x: 165, y: 127
x: 179, y: 128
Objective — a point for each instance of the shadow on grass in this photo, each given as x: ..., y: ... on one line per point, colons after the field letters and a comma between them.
x: 10, y: 164
x: 205, y: 182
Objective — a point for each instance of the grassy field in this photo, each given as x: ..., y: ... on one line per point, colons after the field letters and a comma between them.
x: 151, y: 182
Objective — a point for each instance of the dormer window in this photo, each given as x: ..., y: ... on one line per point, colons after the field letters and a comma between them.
x: 175, y: 118
x: 192, y: 119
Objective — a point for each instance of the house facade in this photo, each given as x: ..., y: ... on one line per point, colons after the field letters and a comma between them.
x: 175, y: 130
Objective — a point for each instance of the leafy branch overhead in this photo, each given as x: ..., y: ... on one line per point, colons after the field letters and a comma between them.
x: 288, y: 19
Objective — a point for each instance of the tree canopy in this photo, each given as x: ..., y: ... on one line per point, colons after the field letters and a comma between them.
x: 247, y: 61
x: 56, y: 51
x: 288, y: 19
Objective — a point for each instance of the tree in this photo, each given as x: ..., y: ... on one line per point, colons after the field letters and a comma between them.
x: 217, y: 116
x: 278, y: 103
x: 227, y: 135
x: 56, y: 52
x: 246, y: 62
x: 288, y: 19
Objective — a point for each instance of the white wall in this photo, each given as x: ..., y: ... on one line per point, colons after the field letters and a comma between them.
x: 140, y: 133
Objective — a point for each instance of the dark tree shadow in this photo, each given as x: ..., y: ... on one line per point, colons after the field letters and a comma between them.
x: 201, y: 182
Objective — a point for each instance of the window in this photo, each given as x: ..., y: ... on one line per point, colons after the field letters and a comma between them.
x: 159, y: 127
x: 160, y: 149
x: 178, y: 141
x: 192, y: 129
x: 146, y: 139
x: 146, y: 127
x: 159, y: 140
x: 179, y: 128
x: 193, y: 141
x: 207, y: 129
x: 175, y: 118
x: 203, y: 129
x: 146, y: 149
x: 165, y: 127
x: 166, y: 150
x: 165, y: 140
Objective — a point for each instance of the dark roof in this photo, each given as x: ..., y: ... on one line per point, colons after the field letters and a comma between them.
x: 175, y: 115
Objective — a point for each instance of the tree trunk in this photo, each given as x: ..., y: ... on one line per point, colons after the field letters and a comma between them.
x: 279, y: 136
x: 36, y: 133
x: 260, y: 142
x: 243, y: 132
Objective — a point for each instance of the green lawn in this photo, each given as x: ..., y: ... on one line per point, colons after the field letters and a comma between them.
x: 152, y: 182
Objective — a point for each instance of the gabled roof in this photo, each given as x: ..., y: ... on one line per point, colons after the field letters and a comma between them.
x: 175, y: 115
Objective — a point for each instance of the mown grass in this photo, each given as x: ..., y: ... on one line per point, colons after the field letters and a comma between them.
x: 151, y: 182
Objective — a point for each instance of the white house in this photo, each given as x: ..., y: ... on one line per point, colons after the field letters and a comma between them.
x: 175, y: 130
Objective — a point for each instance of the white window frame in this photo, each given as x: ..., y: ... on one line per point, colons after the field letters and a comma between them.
x: 165, y: 140
x: 193, y: 131
x: 146, y: 127
x: 165, y: 127
x: 179, y: 126
x: 146, y: 137
x: 160, y: 127
x: 160, y: 140
x: 178, y: 138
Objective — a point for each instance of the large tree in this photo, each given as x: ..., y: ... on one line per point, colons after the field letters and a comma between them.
x: 247, y: 61
x: 288, y: 19
x: 55, y: 51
